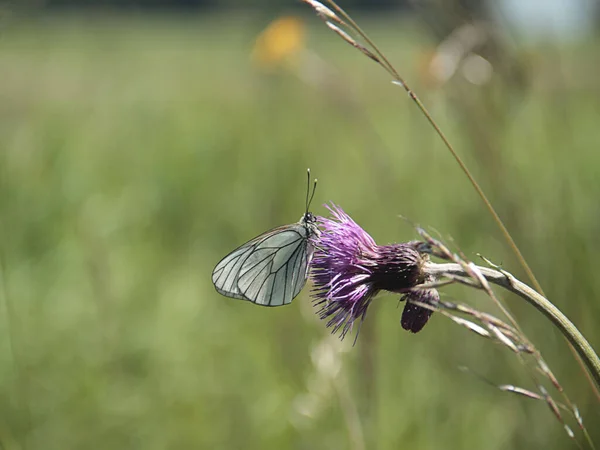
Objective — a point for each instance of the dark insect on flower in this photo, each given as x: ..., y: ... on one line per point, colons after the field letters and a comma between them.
x: 349, y: 269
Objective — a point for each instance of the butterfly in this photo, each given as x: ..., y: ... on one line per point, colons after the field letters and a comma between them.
x: 272, y: 268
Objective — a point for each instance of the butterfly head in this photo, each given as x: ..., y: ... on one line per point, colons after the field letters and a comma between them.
x: 309, y: 220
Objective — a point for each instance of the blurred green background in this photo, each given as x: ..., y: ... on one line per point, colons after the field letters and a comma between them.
x: 137, y: 149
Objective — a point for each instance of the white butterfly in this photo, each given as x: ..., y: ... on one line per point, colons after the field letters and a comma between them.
x: 271, y: 269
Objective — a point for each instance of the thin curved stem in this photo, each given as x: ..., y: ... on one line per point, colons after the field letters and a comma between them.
x: 378, y: 56
x: 387, y: 65
x: 541, y: 303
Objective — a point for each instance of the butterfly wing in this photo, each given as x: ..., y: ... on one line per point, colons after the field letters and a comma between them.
x: 226, y: 274
x: 276, y: 271
x: 269, y: 270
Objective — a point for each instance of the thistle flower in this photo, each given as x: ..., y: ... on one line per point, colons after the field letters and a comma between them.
x: 348, y: 269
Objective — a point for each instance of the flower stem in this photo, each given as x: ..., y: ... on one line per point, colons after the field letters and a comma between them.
x: 541, y: 303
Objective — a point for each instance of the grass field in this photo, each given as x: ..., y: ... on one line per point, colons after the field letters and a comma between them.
x: 136, y: 152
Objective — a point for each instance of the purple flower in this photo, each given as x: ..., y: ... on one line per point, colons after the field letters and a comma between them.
x: 348, y: 269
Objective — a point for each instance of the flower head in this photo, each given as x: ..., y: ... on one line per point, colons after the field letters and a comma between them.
x: 280, y: 42
x: 414, y: 317
x: 348, y: 269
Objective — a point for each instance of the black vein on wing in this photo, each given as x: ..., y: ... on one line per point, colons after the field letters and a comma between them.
x: 272, y: 275
x: 231, y: 263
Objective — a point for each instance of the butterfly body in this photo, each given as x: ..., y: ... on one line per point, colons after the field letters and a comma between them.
x: 271, y: 269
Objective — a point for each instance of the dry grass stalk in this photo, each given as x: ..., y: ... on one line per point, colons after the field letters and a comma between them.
x: 382, y: 60
x: 466, y: 272
x: 509, y: 335
x: 373, y: 52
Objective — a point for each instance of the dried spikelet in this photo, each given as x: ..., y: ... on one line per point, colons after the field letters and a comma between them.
x: 346, y: 37
x: 548, y: 373
x: 502, y: 338
x: 578, y: 417
x: 331, y: 19
x: 399, y: 83
x: 324, y: 12
x: 520, y: 391
x: 471, y: 326
x: 569, y: 431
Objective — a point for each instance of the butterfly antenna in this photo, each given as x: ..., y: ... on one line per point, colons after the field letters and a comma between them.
x: 312, y: 195
x: 307, y: 188
x: 309, y: 196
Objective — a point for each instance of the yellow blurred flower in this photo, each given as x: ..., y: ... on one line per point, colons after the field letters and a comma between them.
x: 279, y: 43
